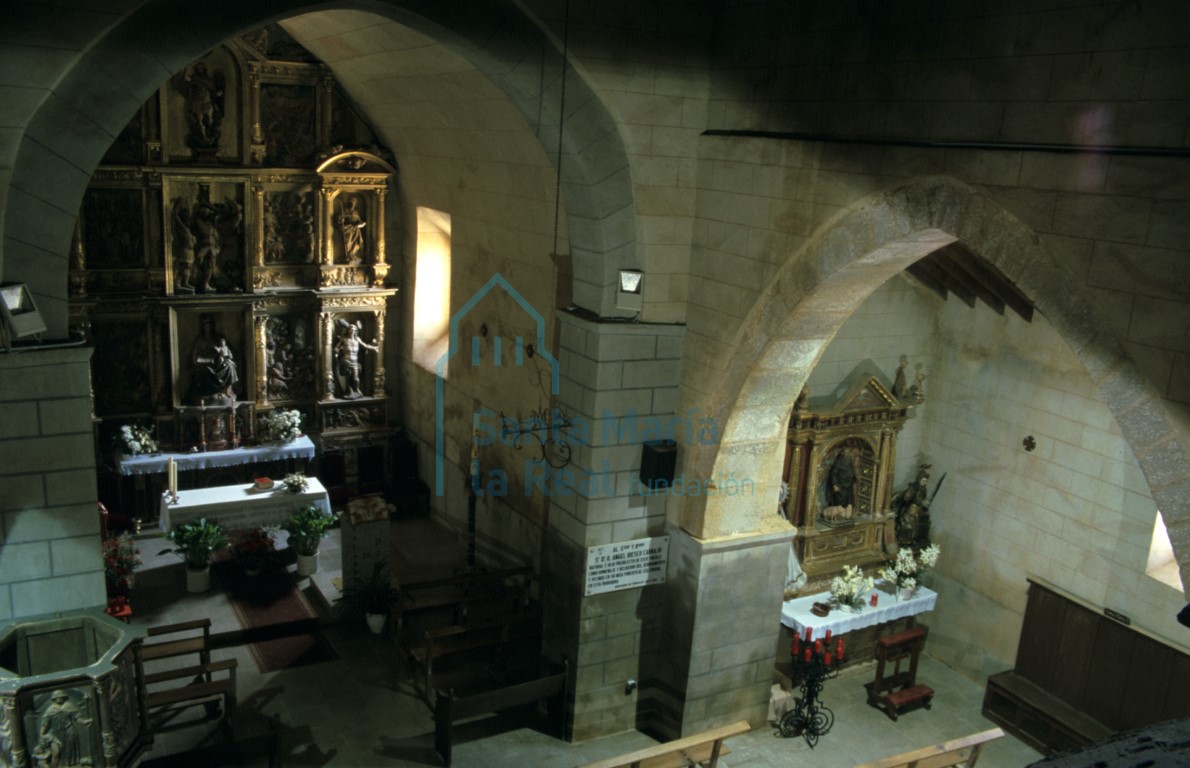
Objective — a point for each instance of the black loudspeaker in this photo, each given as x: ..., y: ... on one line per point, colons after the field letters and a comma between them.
x: 657, y: 460
x: 1184, y: 615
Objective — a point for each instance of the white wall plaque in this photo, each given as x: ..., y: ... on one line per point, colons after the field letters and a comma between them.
x: 626, y: 564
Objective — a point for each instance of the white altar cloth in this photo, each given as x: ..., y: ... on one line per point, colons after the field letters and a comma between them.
x: 242, y: 506
x: 796, y: 614
x: 302, y: 448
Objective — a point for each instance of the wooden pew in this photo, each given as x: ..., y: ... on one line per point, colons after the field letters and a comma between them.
x: 964, y: 752
x: 493, y: 639
x: 168, y: 691
x: 551, y: 688
x: 457, y: 593
x: 699, y: 749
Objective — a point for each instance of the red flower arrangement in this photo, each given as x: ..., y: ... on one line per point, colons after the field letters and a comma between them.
x: 253, y: 549
x: 120, y: 560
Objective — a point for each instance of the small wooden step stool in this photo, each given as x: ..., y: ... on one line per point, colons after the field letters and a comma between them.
x: 898, y: 689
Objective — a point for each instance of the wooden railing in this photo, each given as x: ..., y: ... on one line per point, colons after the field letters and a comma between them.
x: 699, y: 749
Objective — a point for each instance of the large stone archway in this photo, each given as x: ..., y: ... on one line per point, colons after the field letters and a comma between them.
x: 737, y: 545
x: 64, y: 137
x: 818, y: 290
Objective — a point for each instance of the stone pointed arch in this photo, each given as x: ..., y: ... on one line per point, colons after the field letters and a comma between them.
x: 99, y: 89
x: 821, y: 286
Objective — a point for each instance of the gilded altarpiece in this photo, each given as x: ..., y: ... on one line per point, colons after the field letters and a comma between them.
x: 230, y: 259
x: 840, y: 459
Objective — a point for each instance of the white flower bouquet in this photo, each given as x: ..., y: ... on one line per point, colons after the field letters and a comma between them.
x: 284, y: 424
x: 908, y: 570
x: 852, y: 587
x: 135, y: 440
x: 296, y: 482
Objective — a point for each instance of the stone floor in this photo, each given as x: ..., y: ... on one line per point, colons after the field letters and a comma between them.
x: 360, y: 711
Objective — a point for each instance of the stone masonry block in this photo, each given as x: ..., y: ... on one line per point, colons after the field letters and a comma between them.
x: 65, y: 416
x: 17, y: 420
x: 47, y: 453
x: 75, y: 555
x: 66, y: 593
x: 22, y: 562
x: 661, y: 373
x: 59, y: 522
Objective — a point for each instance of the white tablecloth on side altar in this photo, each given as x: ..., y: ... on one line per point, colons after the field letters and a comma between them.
x: 301, y: 448
x: 242, y: 506
x: 796, y: 614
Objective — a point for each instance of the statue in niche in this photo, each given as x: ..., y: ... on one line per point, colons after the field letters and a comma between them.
x: 840, y: 482
x: 214, y: 374
x: 347, y: 347
x: 912, y: 508
x: 917, y: 392
x: 203, y: 92
x: 351, y: 228
x: 198, y: 240
x: 59, y: 742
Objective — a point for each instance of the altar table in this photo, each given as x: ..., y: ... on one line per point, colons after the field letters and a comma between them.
x: 242, y: 506
x: 796, y: 614
x: 301, y: 448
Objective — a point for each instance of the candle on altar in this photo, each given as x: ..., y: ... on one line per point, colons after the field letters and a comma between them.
x: 874, y: 599
x: 172, y: 478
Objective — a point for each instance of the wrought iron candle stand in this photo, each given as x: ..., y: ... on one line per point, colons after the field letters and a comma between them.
x: 813, y: 664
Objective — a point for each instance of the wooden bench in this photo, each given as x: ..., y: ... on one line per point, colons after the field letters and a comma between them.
x: 199, y: 644
x: 898, y: 689
x: 1037, y: 717
x: 458, y: 593
x: 509, y: 634
x: 699, y: 749
x: 201, y: 682
x: 964, y: 751
x: 550, y: 688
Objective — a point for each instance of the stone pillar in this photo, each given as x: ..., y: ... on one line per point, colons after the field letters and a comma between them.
x: 613, y: 636
x: 49, y: 521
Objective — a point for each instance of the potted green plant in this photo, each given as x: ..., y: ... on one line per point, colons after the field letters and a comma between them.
x: 368, y: 597
x: 306, y: 529
x: 195, y: 542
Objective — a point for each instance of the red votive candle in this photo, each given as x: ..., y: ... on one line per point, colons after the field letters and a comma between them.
x: 807, y: 654
x: 828, y: 658
x: 839, y: 650
x: 817, y: 646
x: 809, y: 633
x: 827, y: 639
x: 874, y: 598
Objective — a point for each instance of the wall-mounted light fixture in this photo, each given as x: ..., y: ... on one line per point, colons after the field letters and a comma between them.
x: 630, y: 290
x: 19, y: 314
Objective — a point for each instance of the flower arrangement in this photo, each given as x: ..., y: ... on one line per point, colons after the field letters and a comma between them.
x: 120, y: 560
x: 908, y: 569
x: 296, y: 482
x: 284, y: 425
x: 253, y: 549
x: 852, y: 587
x: 134, y: 440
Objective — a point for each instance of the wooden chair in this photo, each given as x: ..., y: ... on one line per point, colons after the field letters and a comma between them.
x: 895, y: 689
